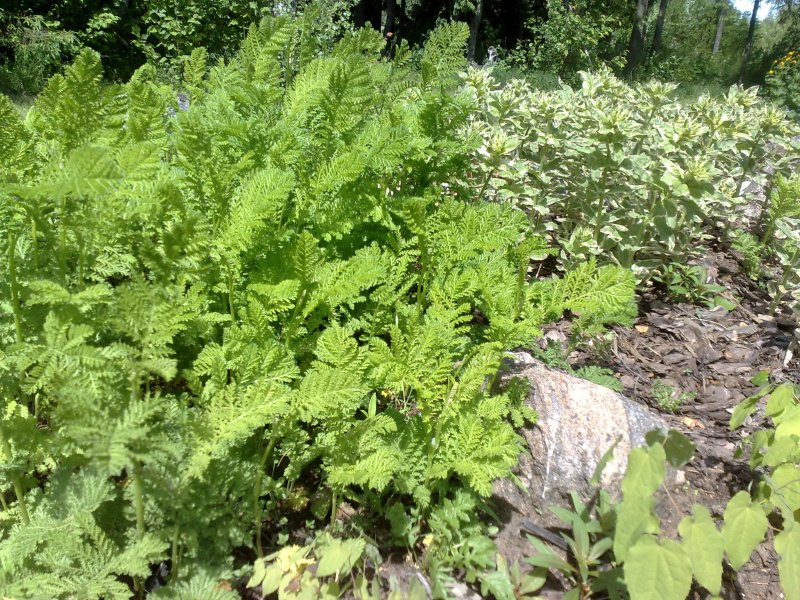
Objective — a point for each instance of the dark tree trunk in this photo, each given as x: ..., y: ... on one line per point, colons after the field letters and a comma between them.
x: 388, y: 26
x: 659, y: 32
x: 720, y: 26
x: 367, y: 11
x: 638, y: 32
x: 357, y: 15
x: 748, y: 46
x: 474, y: 27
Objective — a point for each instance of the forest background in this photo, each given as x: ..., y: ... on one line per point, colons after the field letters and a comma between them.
x: 701, y: 43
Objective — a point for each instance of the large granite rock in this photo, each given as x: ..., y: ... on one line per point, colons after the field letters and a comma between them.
x: 578, y: 422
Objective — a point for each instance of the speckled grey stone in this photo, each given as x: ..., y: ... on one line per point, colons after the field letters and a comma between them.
x: 578, y: 422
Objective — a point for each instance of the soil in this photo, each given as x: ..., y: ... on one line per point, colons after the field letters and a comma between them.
x: 708, y: 356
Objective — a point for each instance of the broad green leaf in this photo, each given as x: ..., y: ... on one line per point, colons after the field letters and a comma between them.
x: 786, y: 449
x: 761, y: 379
x: 787, y: 543
x: 678, y: 448
x: 646, y: 471
x: 785, y: 482
x: 705, y: 547
x: 743, y: 410
x: 744, y: 528
x: 780, y: 399
x: 634, y: 518
x: 272, y: 579
x: 658, y: 570
x: 339, y: 555
x: 259, y: 571
x: 788, y: 423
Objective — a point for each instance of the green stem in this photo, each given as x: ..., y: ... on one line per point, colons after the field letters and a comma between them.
x: 14, y: 285
x: 138, y: 498
x: 437, y: 435
x: 776, y: 300
x: 422, y: 280
x: 3, y: 502
x: 231, y: 306
x: 81, y: 264
x: 16, y: 481
x: 747, y: 164
x: 598, y: 222
x: 173, y: 575
x: 257, y: 510
x: 34, y: 245
x: 62, y: 245
x: 485, y: 184
x: 334, y: 507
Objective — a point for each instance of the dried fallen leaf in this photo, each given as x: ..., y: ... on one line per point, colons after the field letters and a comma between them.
x: 692, y: 423
x: 642, y: 328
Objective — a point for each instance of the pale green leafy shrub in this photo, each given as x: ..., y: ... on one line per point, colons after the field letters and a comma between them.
x: 629, y: 175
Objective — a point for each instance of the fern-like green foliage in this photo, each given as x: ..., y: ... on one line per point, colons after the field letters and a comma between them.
x: 213, y: 291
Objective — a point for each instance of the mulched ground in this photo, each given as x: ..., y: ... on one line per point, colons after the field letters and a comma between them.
x: 709, y: 357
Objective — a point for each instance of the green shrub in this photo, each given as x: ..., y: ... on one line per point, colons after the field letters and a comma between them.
x: 212, y: 296
x: 627, y: 175
x: 782, y: 83
x: 37, y: 48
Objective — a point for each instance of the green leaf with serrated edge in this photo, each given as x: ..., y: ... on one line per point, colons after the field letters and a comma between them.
x: 705, y: 547
x: 658, y: 570
x: 743, y: 410
x: 744, y: 528
x: 787, y: 543
x: 785, y: 482
x: 678, y: 448
x: 634, y: 518
x: 645, y: 472
x: 780, y: 399
x: 788, y: 423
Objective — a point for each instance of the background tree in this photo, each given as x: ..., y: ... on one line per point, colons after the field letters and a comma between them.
x: 636, y: 45
x: 659, y: 32
x: 474, y: 27
x: 748, y: 46
x: 723, y: 5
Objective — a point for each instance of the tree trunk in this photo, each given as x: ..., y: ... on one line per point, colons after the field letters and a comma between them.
x: 657, y: 36
x: 474, y: 27
x: 388, y: 26
x: 720, y: 26
x: 749, y: 44
x: 367, y: 11
x: 636, y: 45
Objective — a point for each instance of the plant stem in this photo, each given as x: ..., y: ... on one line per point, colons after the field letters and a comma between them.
x: 14, y: 285
x: 173, y: 575
x: 334, y: 506
x: 257, y: 510
x: 747, y: 164
x: 138, y: 497
x: 34, y: 245
x: 16, y: 481
x: 231, y: 306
